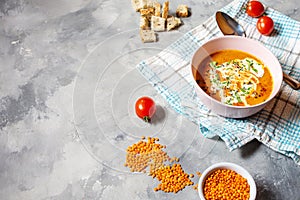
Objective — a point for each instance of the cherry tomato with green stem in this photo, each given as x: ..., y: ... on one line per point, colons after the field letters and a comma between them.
x: 265, y: 25
x: 255, y: 9
x: 145, y: 108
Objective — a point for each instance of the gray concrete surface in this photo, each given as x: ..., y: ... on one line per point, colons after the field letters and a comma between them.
x: 67, y: 83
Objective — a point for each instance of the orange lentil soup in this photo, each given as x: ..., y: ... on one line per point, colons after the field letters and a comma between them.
x: 235, y: 78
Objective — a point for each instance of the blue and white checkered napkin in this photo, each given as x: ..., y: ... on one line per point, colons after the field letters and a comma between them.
x: 277, y: 125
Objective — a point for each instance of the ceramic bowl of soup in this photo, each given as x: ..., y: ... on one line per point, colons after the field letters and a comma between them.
x: 235, y: 76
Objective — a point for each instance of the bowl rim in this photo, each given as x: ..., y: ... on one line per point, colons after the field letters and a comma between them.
x: 231, y: 166
x: 273, y: 57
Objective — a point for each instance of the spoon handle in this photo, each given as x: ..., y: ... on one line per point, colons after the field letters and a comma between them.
x: 291, y: 82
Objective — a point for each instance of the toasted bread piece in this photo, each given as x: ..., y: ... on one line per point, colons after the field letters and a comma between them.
x: 182, y: 11
x: 150, y: 3
x: 158, y: 23
x: 172, y: 22
x: 147, y: 11
x: 147, y: 36
x: 165, y: 11
x: 157, y: 8
x: 139, y: 4
x: 144, y: 23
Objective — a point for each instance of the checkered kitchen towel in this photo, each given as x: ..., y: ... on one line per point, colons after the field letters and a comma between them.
x: 277, y: 125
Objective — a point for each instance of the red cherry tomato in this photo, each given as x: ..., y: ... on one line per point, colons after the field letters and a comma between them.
x: 145, y: 108
x: 265, y: 25
x: 255, y: 9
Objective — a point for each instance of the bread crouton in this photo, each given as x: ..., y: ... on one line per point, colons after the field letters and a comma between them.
x: 150, y: 3
x: 139, y: 4
x: 144, y: 23
x: 182, y: 11
x: 158, y: 23
x: 147, y: 11
x: 165, y: 11
x: 157, y: 8
x: 147, y: 36
x: 172, y: 22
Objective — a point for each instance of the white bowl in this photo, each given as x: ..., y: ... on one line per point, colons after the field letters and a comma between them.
x: 247, y: 45
x: 226, y: 165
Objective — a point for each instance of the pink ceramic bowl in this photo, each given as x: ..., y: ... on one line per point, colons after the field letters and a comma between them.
x: 247, y: 45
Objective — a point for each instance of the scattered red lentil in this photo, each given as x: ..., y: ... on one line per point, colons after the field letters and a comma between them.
x: 195, y: 187
x: 149, y: 154
x: 198, y: 173
x: 173, y: 178
x: 145, y: 154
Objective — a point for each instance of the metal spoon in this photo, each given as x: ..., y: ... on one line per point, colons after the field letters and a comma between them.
x: 229, y: 26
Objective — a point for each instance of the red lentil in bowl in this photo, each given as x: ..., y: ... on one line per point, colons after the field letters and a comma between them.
x: 226, y: 181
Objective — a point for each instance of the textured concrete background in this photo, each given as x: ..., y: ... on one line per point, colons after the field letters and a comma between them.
x: 47, y: 153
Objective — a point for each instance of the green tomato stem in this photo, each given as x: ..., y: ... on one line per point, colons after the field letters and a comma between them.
x: 147, y: 119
